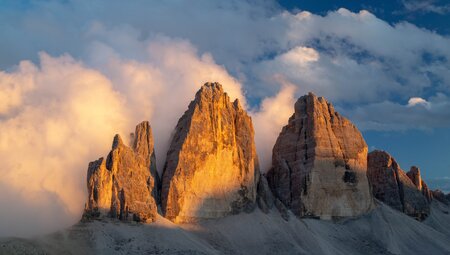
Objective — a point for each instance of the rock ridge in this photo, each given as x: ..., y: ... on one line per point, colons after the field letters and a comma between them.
x: 405, y: 192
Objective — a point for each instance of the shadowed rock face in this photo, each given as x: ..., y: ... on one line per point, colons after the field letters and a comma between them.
x: 394, y: 187
x: 440, y: 196
x: 319, y: 163
x: 416, y: 178
x: 211, y: 168
x: 427, y: 192
x: 124, y: 185
x: 264, y: 196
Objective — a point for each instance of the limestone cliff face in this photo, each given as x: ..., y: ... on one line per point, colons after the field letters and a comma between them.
x: 124, y: 185
x: 211, y: 168
x: 319, y: 163
x: 394, y: 187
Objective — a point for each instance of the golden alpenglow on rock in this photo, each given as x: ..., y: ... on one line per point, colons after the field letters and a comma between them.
x: 319, y: 163
x: 211, y: 168
x: 124, y: 185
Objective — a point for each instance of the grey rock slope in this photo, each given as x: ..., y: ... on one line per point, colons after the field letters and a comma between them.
x: 382, y: 231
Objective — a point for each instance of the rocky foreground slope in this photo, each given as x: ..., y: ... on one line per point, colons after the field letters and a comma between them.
x: 382, y: 231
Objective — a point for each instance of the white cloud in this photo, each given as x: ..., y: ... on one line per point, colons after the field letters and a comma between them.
x: 68, y: 113
x: 413, y: 101
x: 161, y: 85
x: 362, y: 58
x: 269, y: 119
x: 426, y: 6
x: 418, y: 113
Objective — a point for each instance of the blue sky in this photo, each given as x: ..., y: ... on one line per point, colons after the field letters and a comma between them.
x: 429, y: 149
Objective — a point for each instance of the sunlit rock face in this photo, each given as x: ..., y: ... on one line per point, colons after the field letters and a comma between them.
x: 394, y: 187
x: 319, y: 163
x: 124, y: 185
x: 211, y: 168
x: 415, y: 177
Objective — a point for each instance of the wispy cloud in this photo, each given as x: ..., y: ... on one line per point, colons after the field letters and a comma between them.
x: 426, y: 6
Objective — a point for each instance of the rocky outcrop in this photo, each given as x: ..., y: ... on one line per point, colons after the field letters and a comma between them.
x: 427, y: 192
x: 416, y: 178
x: 394, y: 187
x: 211, y: 168
x: 440, y: 196
x: 124, y: 185
x: 319, y: 163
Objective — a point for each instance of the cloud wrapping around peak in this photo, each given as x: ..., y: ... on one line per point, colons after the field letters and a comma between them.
x: 63, y: 114
x: 67, y: 114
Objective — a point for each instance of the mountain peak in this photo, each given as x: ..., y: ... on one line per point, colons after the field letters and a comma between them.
x: 320, y: 156
x: 211, y: 168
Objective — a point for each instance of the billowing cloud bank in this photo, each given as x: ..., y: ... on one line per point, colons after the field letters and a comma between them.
x: 100, y: 73
x: 60, y: 114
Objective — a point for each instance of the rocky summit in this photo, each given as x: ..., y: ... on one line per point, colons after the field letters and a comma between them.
x: 124, y: 185
x: 319, y: 163
x: 393, y: 186
x: 211, y: 168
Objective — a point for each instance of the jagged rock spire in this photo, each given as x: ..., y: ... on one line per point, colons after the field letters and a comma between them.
x: 211, y: 168
x: 124, y: 185
x: 394, y: 187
